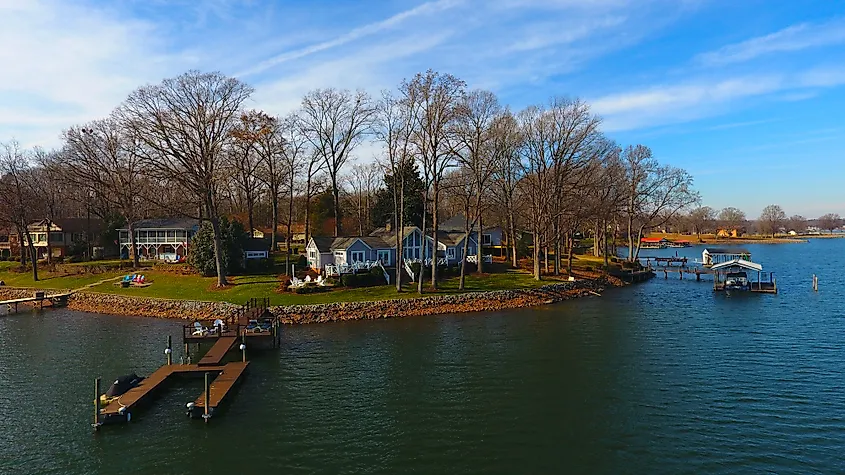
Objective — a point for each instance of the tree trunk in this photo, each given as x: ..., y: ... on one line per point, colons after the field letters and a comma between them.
x: 639, y: 240
x: 250, y: 208
x: 557, y: 250
x: 480, y: 243
x: 604, y: 246
x: 21, y: 247
x: 467, y: 233
x: 32, y: 254
x: 218, y: 247
x: 133, y: 244
x: 336, y: 204
x: 274, y: 221
x: 630, y: 238
x: 512, y: 232
x: 399, y: 219
x: 546, y: 257
x: 435, y: 209
x: 424, y: 246
x: 50, y: 242
x: 536, y: 255
x: 307, y: 210
x: 570, y: 242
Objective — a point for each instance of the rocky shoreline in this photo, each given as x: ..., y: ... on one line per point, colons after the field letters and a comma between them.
x: 320, y: 313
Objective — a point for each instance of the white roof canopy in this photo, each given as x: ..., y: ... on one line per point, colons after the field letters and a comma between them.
x: 738, y: 263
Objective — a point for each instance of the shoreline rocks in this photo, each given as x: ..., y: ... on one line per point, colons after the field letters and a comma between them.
x: 123, y: 305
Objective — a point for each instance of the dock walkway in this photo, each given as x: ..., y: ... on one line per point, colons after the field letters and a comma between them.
x: 220, y: 388
x: 57, y: 300
x: 217, y: 352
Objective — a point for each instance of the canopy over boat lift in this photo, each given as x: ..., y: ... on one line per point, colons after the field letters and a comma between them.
x: 732, y: 275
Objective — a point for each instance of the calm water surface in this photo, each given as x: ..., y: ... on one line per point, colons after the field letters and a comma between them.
x: 665, y: 377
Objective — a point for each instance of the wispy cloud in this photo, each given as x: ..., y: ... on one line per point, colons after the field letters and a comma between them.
x: 794, y: 38
x: 353, y: 35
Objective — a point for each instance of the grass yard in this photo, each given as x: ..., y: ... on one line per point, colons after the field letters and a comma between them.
x: 48, y: 280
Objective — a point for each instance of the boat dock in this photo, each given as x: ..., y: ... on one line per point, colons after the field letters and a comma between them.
x: 252, y: 325
x: 56, y: 300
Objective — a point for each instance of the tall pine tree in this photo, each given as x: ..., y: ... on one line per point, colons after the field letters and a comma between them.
x: 414, y: 186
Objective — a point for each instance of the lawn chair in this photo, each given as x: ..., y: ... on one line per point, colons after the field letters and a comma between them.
x: 253, y: 326
x: 199, y: 330
x: 219, y: 327
x: 320, y: 281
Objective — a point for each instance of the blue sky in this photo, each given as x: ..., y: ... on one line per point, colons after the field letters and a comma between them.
x: 748, y: 96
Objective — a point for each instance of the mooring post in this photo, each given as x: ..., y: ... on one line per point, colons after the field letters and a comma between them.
x: 96, y: 424
x: 169, y: 350
x: 206, y: 411
x: 188, y: 353
x: 697, y: 275
x: 243, y: 347
x: 815, y: 283
x: 665, y: 273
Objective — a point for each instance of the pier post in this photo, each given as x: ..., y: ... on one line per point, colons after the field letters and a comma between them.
x: 96, y: 424
x: 681, y: 273
x: 665, y: 273
x: 206, y: 411
x: 815, y: 283
x: 697, y: 275
x: 169, y: 350
x: 188, y: 353
x: 243, y: 347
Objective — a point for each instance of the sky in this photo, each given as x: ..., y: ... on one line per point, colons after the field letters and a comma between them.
x: 748, y: 96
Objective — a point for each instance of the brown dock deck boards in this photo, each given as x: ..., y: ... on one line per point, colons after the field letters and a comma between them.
x: 217, y: 352
x: 221, y: 385
x: 152, y: 382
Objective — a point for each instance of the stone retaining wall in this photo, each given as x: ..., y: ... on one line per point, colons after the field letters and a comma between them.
x: 299, y: 314
x: 133, y: 306
x: 470, y: 302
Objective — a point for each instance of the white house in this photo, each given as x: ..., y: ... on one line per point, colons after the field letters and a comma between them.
x: 165, y: 239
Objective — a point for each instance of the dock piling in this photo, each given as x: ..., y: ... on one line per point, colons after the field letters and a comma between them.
x: 815, y: 283
x: 206, y: 414
x: 169, y: 350
x: 96, y: 424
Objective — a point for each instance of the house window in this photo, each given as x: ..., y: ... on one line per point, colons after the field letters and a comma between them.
x: 312, y: 254
x: 357, y: 256
x: 450, y: 252
x: 384, y: 256
x: 56, y: 237
x: 486, y: 239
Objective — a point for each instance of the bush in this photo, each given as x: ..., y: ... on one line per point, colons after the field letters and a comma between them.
x: 4, y: 258
x: 362, y: 280
x: 259, y: 265
x: 311, y: 289
x: 74, y: 259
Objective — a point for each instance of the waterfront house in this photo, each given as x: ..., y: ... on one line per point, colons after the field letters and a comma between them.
x: 347, y: 250
x: 66, y: 235
x: 161, y: 238
x: 491, y: 236
x: 653, y: 243
x: 717, y: 255
x: 9, y: 243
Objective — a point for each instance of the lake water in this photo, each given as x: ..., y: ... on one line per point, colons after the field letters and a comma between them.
x: 663, y: 377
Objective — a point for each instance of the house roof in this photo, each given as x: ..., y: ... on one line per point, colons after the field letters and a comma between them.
x: 254, y: 244
x: 653, y: 239
x: 323, y: 243
x: 385, y: 233
x: 167, y: 223
x: 74, y: 225
x: 738, y: 263
x: 727, y: 251
x: 329, y: 244
x: 452, y: 239
x: 458, y: 223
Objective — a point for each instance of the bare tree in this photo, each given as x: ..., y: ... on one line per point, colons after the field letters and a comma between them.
x: 476, y: 115
x: 506, y: 141
x: 772, y: 219
x: 830, y: 221
x: 731, y: 218
x: 184, y: 124
x: 655, y: 194
x: 334, y: 122
x: 103, y: 159
x: 395, y: 128
x: 19, y: 197
x: 244, y: 159
x: 702, y: 219
x: 363, y: 180
x: 435, y: 97
x: 797, y: 223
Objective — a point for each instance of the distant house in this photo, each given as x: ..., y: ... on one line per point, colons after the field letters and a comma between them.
x: 490, y: 237
x: 255, y: 248
x: 653, y: 243
x: 346, y: 250
x: 729, y: 233
x: 64, y: 234
x: 9, y: 243
x: 161, y: 239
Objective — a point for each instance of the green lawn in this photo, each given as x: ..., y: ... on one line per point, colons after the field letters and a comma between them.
x: 194, y: 287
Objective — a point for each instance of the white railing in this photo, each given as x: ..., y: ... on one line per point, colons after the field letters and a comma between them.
x: 340, y: 269
x: 473, y: 259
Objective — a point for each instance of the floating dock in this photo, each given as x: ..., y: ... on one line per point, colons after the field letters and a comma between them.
x: 252, y: 324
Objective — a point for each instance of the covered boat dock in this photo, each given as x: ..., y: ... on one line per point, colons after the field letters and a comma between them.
x: 732, y: 275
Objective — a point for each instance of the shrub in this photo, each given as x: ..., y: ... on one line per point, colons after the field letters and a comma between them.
x: 311, y: 289
x: 74, y: 259
x: 4, y: 258
x: 362, y: 280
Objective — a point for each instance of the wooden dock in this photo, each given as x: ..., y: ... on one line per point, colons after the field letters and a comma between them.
x: 217, y: 352
x: 56, y: 300
x: 217, y: 390
x: 251, y: 324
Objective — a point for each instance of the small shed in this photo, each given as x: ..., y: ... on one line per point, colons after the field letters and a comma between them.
x: 256, y: 249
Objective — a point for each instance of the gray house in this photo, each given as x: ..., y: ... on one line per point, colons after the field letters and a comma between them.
x: 490, y: 236
x: 347, y: 250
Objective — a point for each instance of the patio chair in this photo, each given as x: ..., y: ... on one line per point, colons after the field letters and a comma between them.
x: 199, y: 330
x: 218, y: 327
